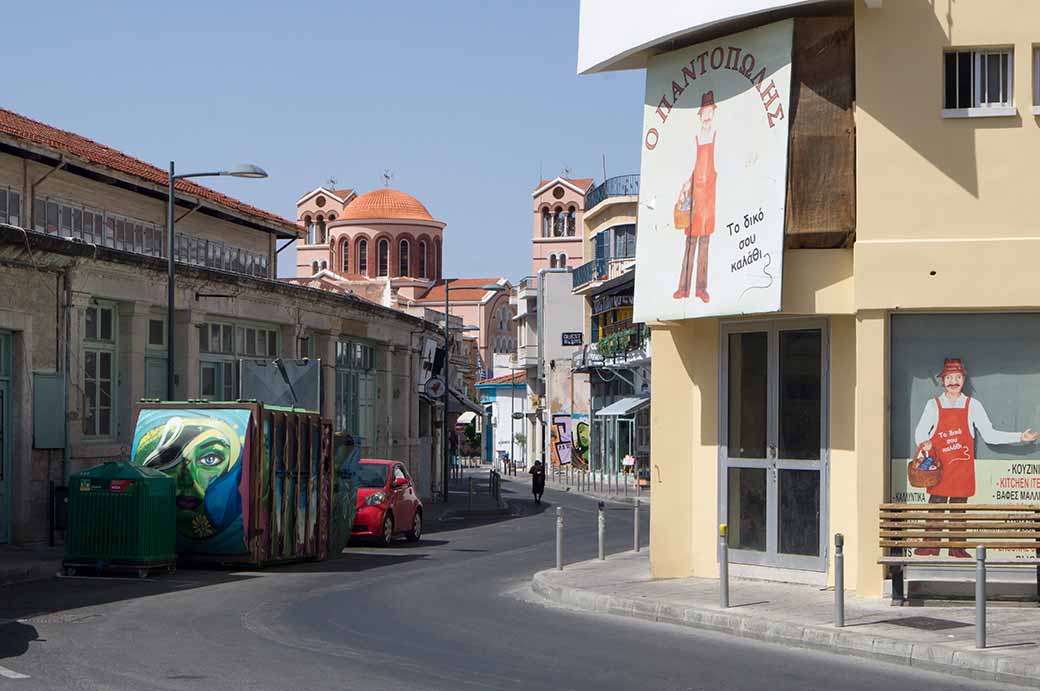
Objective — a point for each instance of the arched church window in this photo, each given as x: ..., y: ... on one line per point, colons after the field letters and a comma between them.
x: 383, y: 257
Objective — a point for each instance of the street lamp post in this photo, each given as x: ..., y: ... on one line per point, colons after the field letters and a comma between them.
x: 241, y: 171
x: 445, y: 451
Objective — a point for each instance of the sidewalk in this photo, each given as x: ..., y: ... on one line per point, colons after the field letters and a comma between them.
x: 461, y: 505
x: 594, y: 490
x: 21, y: 564
x: 940, y: 639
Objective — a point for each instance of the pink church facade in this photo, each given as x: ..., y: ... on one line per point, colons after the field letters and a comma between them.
x: 559, y: 205
x: 385, y: 246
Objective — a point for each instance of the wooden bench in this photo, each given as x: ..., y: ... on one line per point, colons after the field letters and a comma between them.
x: 905, y: 528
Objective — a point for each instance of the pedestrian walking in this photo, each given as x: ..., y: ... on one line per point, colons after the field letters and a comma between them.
x: 537, y: 481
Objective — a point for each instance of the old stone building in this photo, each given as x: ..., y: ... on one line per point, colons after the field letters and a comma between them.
x: 83, y: 330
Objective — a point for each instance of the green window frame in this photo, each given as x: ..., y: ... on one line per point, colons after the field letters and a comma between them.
x: 221, y: 345
x: 100, y: 370
x: 355, y: 392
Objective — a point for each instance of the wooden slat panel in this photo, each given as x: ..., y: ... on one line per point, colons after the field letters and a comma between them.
x: 1024, y: 535
x: 1008, y: 508
x: 963, y: 544
x: 821, y: 184
x: 966, y: 521
x: 928, y: 561
x: 952, y: 516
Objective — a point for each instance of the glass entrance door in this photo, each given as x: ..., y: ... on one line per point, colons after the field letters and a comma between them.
x: 773, y: 450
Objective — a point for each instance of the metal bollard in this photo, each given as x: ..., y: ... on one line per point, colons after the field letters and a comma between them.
x: 469, y: 500
x: 601, y: 527
x: 723, y: 568
x: 491, y: 483
x: 635, y: 526
x: 839, y: 580
x: 980, y: 596
x: 559, y: 538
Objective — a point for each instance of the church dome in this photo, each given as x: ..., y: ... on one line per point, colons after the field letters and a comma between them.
x: 385, y: 204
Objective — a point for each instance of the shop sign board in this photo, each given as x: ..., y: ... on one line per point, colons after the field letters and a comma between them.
x: 571, y: 338
x: 428, y: 362
x: 714, y: 177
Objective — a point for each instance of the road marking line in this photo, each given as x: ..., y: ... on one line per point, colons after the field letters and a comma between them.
x: 11, y: 674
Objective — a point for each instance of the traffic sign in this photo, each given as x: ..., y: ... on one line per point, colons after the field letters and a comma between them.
x: 435, y: 387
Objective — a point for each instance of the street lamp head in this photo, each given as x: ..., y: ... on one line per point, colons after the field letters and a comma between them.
x: 245, y: 170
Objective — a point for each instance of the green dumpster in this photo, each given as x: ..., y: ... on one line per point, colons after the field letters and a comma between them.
x: 121, y: 518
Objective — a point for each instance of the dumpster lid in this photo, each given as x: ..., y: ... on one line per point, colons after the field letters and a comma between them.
x: 117, y: 470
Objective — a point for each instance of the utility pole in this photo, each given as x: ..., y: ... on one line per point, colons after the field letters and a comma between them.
x: 445, y: 448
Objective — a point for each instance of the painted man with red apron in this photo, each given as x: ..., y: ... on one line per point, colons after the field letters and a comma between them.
x: 695, y: 209
x: 947, y: 431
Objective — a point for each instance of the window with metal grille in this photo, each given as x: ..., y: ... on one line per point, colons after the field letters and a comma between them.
x: 978, y: 78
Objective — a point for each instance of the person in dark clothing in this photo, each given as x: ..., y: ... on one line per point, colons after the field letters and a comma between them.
x: 537, y: 481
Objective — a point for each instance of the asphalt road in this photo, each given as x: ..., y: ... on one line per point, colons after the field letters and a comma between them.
x: 454, y: 611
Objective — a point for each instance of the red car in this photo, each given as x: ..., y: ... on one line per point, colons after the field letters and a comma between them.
x: 387, y: 504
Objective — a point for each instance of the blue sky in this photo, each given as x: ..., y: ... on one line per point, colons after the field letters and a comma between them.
x: 465, y: 101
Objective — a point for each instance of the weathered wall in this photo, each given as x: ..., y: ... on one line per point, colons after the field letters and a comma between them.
x: 138, y: 287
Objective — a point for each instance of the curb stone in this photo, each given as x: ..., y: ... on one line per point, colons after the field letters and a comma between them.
x: 925, y: 656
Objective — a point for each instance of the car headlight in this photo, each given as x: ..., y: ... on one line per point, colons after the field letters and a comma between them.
x: 375, y: 499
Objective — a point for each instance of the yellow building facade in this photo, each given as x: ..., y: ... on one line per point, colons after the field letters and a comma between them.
x: 939, y: 264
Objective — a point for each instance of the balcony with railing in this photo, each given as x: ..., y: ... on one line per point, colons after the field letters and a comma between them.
x: 619, y: 186
x: 595, y: 270
x: 620, y: 345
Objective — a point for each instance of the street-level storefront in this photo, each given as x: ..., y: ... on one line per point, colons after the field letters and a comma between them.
x: 745, y: 247
x: 794, y: 378
x: 620, y: 434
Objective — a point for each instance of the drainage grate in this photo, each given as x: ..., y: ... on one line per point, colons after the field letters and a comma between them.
x: 926, y: 623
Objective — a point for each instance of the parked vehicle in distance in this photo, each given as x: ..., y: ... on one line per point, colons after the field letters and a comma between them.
x: 387, y: 504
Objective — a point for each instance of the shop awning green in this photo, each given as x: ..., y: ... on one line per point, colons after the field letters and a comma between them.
x: 626, y: 406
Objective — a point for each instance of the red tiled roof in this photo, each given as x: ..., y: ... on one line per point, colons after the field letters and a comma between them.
x: 581, y: 183
x: 343, y: 194
x: 513, y: 377
x: 462, y: 289
x: 386, y: 203
x: 26, y: 129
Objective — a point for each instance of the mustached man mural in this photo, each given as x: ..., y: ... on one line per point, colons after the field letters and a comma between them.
x: 695, y: 209
x: 945, y: 438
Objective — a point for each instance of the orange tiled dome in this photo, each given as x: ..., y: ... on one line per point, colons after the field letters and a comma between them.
x: 386, y: 203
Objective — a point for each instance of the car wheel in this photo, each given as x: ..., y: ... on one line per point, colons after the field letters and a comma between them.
x: 415, y: 533
x: 387, y: 536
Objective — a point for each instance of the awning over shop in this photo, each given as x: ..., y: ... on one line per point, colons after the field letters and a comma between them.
x: 466, y: 418
x: 626, y: 406
x: 459, y: 402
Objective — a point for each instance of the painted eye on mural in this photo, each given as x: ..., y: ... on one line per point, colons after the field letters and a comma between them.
x: 210, y: 460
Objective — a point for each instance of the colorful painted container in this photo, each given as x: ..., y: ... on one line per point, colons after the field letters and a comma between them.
x: 254, y: 483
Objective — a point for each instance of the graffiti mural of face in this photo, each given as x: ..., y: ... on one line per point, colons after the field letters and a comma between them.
x: 203, y: 460
x: 194, y: 452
